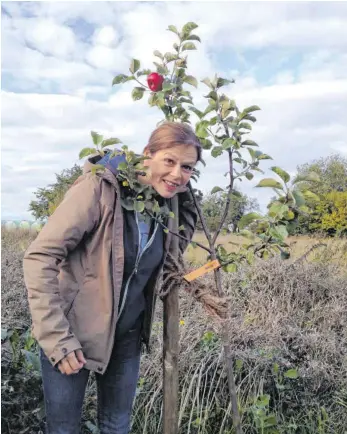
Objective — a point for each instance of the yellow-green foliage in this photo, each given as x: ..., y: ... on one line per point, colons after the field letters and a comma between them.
x: 330, y: 214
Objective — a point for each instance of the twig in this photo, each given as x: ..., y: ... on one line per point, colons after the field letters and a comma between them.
x: 201, y: 215
x: 227, y: 205
x: 177, y: 235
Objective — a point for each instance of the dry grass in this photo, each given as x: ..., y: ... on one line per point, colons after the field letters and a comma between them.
x: 290, y: 317
x: 298, y: 245
x: 295, y: 318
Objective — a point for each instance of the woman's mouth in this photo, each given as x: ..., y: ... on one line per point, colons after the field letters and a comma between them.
x: 170, y: 186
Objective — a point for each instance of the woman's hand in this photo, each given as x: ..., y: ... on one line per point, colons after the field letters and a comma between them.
x: 72, y: 363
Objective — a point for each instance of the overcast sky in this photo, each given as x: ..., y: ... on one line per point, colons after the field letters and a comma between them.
x: 59, y: 58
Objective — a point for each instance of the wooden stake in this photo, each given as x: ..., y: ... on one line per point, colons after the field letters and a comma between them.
x: 171, y: 344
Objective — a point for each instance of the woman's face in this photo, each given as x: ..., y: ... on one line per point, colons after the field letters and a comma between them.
x: 171, y: 169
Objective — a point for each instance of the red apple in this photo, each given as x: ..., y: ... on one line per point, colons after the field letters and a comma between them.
x: 155, y: 81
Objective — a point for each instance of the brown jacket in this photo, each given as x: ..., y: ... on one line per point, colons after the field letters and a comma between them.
x: 73, y: 296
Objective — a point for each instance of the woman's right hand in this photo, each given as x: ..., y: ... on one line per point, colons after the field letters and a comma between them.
x: 72, y: 363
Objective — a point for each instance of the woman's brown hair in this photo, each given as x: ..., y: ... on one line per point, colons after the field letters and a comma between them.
x: 170, y: 134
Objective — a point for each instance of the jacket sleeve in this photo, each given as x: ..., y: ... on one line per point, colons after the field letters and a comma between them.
x: 75, y: 217
x: 188, y: 217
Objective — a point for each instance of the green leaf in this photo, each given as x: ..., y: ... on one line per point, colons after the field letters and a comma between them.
x: 208, y: 83
x: 188, y: 46
x: 196, y: 111
x: 249, y: 176
x: 191, y: 80
x: 137, y: 93
x: 228, y: 143
x: 161, y: 69
x: 247, y: 219
x: 173, y: 29
x: 33, y: 360
x: 158, y: 54
x: 168, y: 86
x: 206, y: 143
x: 217, y: 151
x: 97, y: 138
x: 193, y: 38
x: 97, y: 167
x: 270, y: 182
x: 281, y: 173
x: 277, y: 209
x: 250, y: 109
x: 213, y: 95
x: 216, y: 190
x: 156, y: 207
x: 250, y: 118
x: 200, y: 129
x: 109, y: 142
x: 187, y: 100
x: 223, y: 81
x: 263, y: 401
x: 291, y: 373
x: 264, y: 157
x: 235, y: 193
x: 245, y: 125
x: 139, y: 206
x: 86, y: 151
x: 170, y: 57
x: 299, y: 198
x: 248, y: 143
x: 230, y: 268
x: 171, y: 215
x: 134, y: 66
x: 181, y: 228
x: 189, y: 27
x: 143, y: 72
x: 121, y: 78
x: 280, y: 232
x: 210, y: 108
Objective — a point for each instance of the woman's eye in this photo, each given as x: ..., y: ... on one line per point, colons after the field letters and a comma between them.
x: 188, y: 168
x: 169, y: 161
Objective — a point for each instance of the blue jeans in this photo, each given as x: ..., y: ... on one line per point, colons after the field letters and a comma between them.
x: 116, y: 390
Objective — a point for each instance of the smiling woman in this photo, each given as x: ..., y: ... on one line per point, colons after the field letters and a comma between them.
x: 97, y: 259
x: 173, y: 150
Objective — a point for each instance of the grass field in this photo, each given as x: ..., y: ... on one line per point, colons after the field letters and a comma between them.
x: 299, y: 245
x: 287, y: 328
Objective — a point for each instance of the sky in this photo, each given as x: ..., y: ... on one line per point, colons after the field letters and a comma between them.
x: 58, y: 60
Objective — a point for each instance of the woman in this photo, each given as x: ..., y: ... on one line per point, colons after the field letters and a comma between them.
x: 91, y: 276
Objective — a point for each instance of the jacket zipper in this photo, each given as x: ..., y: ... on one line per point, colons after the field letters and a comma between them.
x: 138, y: 258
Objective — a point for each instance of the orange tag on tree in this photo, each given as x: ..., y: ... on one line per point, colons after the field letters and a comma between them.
x: 210, y: 266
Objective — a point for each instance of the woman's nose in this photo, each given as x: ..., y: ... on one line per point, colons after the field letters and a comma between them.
x: 176, y: 171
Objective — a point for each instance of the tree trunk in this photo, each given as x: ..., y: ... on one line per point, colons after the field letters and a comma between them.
x: 171, y: 344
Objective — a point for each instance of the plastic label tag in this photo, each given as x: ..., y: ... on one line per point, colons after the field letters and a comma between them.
x: 210, y: 266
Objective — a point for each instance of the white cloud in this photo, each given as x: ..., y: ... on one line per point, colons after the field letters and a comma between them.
x: 50, y: 38
x: 105, y: 36
x: 58, y: 66
x: 107, y: 58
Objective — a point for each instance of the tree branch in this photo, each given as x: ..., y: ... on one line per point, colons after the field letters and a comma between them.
x: 178, y: 235
x: 201, y: 216
x: 227, y: 205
